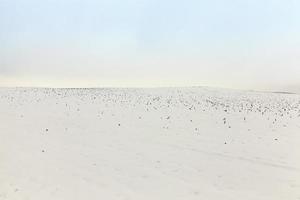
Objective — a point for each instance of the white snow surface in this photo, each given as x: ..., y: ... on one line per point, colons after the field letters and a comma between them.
x: 167, y: 143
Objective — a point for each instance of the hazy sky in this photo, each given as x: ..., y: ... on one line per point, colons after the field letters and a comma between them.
x: 233, y: 43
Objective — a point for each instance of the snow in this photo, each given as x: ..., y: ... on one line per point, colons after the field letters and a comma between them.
x: 167, y: 143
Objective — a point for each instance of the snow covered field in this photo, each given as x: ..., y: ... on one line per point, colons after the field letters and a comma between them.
x: 168, y: 143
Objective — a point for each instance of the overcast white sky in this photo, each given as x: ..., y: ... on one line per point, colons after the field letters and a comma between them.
x: 252, y: 44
